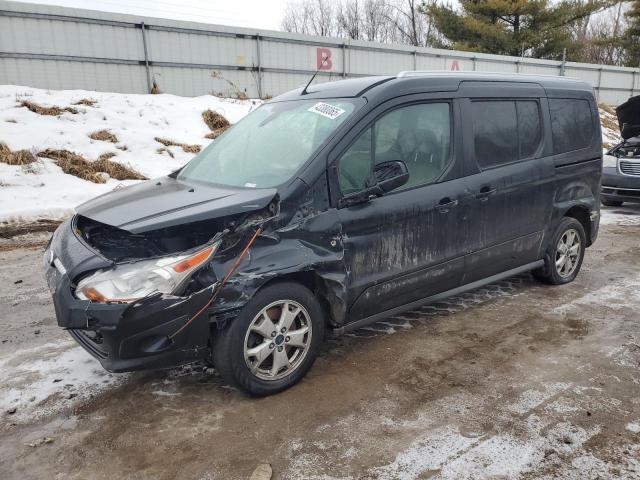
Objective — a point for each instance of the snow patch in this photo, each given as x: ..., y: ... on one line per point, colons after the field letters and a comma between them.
x: 610, y: 131
x: 619, y: 217
x: 633, y: 427
x: 44, y: 380
x: 446, y: 454
x: 43, y: 191
x: 531, y: 399
x: 616, y: 295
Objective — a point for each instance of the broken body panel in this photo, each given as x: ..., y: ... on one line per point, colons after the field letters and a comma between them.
x: 363, y: 260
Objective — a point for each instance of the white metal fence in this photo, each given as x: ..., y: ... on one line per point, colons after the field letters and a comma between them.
x: 66, y: 48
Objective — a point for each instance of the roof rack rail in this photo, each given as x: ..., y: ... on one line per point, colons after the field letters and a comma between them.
x: 420, y: 73
x: 416, y: 73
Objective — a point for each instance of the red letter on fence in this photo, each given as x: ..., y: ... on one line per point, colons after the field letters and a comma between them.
x: 323, y: 59
x: 455, y: 65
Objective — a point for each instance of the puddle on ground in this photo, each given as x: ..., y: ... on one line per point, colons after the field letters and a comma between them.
x: 577, y: 327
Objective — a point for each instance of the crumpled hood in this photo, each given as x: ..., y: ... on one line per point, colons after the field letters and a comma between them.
x: 629, y: 113
x: 167, y: 202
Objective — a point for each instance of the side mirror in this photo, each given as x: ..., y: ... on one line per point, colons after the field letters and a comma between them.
x: 391, y: 175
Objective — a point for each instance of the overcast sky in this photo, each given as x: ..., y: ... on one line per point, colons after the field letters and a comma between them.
x: 264, y: 14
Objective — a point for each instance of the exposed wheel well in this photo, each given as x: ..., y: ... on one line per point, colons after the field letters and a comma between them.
x: 582, y: 215
x: 310, y: 280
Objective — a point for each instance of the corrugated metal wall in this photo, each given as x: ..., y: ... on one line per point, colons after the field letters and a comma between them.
x: 65, y: 48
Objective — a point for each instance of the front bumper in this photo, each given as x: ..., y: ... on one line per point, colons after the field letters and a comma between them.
x: 124, y: 337
x: 620, y: 187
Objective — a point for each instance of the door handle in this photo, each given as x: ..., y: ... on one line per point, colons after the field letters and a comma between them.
x: 485, y: 193
x: 445, y: 204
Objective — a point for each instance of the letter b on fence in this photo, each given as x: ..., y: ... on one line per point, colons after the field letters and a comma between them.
x: 323, y: 59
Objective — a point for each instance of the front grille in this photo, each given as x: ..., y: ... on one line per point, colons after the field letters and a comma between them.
x: 92, y: 342
x: 630, y: 168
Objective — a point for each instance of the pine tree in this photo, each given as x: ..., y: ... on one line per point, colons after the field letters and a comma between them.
x: 533, y: 28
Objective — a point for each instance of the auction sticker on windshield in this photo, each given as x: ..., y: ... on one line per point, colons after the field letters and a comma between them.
x: 327, y: 110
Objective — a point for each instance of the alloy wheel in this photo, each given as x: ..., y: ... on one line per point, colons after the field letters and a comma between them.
x: 568, y: 253
x: 277, y: 340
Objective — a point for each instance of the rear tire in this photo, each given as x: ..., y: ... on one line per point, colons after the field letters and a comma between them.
x: 611, y: 203
x: 565, y: 253
x: 267, y: 349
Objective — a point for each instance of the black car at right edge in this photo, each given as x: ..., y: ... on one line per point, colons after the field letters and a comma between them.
x: 329, y: 208
x: 621, y: 172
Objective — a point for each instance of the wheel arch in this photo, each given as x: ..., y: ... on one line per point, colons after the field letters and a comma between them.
x: 319, y: 286
x: 583, y: 215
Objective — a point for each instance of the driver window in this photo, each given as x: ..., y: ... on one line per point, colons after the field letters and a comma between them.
x: 419, y: 135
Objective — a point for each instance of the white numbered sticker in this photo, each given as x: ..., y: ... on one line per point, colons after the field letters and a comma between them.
x: 327, y: 110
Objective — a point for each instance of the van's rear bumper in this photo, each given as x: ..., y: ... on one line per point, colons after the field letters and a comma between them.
x: 125, y: 337
x: 618, y: 187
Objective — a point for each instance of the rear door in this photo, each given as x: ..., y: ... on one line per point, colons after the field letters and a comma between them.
x: 407, y: 244
x: 510, y: 176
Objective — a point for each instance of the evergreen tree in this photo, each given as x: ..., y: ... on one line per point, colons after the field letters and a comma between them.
x: 533, y: 28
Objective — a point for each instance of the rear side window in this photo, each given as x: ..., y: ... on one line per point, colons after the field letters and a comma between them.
x: 571, y: 124
x: 495, y: 132
x: 529, y: 129
x: 505, y: 131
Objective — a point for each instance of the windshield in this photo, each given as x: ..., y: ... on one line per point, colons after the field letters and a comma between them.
x: 269, y: 145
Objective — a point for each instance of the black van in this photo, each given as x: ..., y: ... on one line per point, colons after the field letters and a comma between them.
x: 329, y: 208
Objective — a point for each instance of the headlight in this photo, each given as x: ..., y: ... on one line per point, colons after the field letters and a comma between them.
x: 128, y: 282
x: 609, y: 161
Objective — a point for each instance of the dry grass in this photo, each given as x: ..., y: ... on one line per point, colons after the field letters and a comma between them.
x: 215, y: 134
x: 155, y: 88
x: 53, y: 111
x: 89, y: 102
x: 214, y: 120
x: 609, y: 123
x: 114, y: 169
x: 74, y: 164
x: 9, y: 230
x: 607, y: 108
x: 234, y: 90
x: 162, y: 150
x: 19, y: 157
x: 185, y: 147
x: 104, y: 136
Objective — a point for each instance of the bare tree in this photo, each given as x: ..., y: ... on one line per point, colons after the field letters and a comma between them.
x: 602, y: 39
x: 349, y: 22
x: 311, y: 17
x: 376, y: 26
x: 410, y: 21
x: 389, y: 21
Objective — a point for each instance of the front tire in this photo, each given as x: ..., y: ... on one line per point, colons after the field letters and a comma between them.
x: 565, y: 253
x: 273, y: 342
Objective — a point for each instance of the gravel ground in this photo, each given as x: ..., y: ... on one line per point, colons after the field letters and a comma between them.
x: 515, y: 380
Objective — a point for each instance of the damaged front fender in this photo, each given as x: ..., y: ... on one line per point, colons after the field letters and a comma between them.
x: 124, y: 336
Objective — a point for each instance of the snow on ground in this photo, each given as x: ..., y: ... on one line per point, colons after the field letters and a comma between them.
x: 615, y: 295
x: 610, y: 130
x: 42, y: 190
x: 36, y: 382
x: 628, y: 215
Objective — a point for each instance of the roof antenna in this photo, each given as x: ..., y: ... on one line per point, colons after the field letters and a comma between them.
x: 304, y: 90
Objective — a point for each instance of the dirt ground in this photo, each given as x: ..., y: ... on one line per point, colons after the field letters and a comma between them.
x: 516, y: 380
